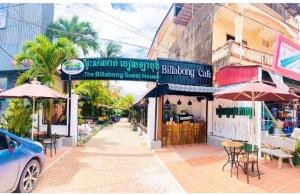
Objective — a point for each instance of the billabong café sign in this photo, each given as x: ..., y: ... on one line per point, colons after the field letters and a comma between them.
x: 160, y: 70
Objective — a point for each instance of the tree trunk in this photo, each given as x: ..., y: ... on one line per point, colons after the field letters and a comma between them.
x: 49, y: 131
x: 49, y: 116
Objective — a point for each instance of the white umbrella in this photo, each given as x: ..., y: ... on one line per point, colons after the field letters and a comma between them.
x: 34, y: 90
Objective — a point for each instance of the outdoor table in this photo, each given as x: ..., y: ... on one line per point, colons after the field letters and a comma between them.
x: 233, y: 149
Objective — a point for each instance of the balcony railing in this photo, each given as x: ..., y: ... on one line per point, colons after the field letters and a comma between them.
x: 230, y: 53
x: 278, y: 8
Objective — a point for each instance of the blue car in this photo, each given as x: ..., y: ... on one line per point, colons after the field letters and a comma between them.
x: 21, y: 162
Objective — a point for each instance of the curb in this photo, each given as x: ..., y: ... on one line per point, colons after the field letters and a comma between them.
x: 88, y: 137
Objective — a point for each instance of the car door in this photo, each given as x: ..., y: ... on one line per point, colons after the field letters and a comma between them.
x: 9, y: 165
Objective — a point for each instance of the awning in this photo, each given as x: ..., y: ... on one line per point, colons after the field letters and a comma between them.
x: 184, y: 90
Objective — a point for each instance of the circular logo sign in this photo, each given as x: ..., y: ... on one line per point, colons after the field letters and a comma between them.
x: 73, y: 67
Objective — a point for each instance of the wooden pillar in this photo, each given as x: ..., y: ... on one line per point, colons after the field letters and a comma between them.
x: 159, y: 117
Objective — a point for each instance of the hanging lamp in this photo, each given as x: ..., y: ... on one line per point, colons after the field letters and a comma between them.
x: 179, y: 102
x: 190, y: 103
x: 167, y: 101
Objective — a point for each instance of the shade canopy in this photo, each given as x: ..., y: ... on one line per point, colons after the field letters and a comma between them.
x: 32, y: 90
x: 255, y: 91
x: 179, y: 89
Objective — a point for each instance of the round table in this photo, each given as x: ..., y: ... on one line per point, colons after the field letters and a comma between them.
x: 233, y: 149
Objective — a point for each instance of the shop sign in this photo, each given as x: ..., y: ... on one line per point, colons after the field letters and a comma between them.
x: 117, y: 69
x: 161, y: 70
x: 286, y: 60
x: 234, y: 111
x: 72, y: 67
x: 182, y: 72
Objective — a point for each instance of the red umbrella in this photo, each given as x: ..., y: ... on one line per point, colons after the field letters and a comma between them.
x: 33, y: 90
x: 255, y: 91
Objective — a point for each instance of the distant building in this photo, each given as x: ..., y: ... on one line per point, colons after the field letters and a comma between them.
x: 18, y: 23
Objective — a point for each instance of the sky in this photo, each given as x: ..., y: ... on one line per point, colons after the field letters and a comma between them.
x: 141, y: 24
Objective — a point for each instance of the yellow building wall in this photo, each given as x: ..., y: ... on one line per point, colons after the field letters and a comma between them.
x: 253, y: 33
x: 58, y: 84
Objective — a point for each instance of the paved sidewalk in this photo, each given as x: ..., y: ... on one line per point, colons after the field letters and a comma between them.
x: 115, y: 160
x: 198, y: 168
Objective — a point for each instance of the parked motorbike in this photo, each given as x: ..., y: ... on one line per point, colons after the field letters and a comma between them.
x: 114, y: 119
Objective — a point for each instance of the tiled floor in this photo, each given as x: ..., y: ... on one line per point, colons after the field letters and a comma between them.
x: 198, y: 168
x: 114, y: 160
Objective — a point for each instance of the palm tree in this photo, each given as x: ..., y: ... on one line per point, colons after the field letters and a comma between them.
x: 80, y: 33
x: 111, y: 50
x: 44, y: 57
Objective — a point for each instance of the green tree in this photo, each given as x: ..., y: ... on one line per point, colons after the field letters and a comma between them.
x: 17, y: 117
x: 97, y: 93
x: 45, y: 57
x: 111, y: 50
x: 125, y: 102
x: 80, y: 33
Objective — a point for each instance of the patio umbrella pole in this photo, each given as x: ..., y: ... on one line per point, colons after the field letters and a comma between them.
x: 253, y: 123
x: 33, y: 102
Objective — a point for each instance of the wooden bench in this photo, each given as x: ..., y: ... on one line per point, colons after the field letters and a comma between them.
x: 277, y: 144
x: 278, y: 153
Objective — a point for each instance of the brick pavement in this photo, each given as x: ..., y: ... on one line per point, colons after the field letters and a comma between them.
x: 115, y: 160
x: 198, y: 168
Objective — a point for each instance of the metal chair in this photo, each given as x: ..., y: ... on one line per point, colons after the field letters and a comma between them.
x: 51, y: 142
x: 248, y: 157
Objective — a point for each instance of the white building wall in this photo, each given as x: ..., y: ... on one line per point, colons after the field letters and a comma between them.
x: 63, y: 129
x: 198, y: 109
x: 151, y: 120
x: 239, y: 128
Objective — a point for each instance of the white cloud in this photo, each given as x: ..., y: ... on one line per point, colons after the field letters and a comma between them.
x: 146, y: 18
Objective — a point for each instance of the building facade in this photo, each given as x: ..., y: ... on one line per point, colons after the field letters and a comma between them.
x: 235, y: 39
x: 19, y: 23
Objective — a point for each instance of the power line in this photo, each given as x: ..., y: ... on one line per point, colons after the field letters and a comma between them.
x: 105, y: 13
x: 6, y: 52
x: 107, y: 21
x: 255, y: 20
x: 72, y: 33
x: 277, y: 18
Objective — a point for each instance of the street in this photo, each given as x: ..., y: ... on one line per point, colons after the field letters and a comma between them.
x: 114, y: 160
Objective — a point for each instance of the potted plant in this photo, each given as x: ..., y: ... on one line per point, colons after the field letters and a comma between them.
x: 296, y: 154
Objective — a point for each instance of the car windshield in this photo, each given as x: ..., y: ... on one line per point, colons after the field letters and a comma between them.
x: 3, y: 142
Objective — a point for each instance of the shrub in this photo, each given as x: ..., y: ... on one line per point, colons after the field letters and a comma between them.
x: 17, y: 117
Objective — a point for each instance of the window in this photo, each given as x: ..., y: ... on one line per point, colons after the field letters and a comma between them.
x: 3, y: 142
x: 3, y: 14
x: 230, y: 37
x: 3, y: 83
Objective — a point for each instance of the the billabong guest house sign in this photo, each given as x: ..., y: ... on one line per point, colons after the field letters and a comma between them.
x: 161, y: 70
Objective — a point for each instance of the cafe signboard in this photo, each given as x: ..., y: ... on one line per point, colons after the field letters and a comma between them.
x: 183, y: 72
x: 160, y: 70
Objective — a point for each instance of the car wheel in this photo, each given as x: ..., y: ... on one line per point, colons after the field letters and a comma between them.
x: 29, y: 177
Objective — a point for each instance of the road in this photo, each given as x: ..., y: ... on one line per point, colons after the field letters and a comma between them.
x: 114, y: 160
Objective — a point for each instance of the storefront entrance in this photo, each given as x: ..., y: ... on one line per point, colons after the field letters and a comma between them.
x: 177, y: 104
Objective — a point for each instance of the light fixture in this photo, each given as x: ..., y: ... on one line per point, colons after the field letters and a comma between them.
x: 190, y: 103
x: 179, y: 102
x: 167, y: 101
x: 199, y: 98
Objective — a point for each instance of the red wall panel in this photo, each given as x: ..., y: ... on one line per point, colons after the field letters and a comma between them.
x: 236, y: 74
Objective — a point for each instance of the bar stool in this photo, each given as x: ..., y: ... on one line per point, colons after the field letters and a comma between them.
x: 168, y: 134
x: 184, y: 133
x: 199, y: 129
